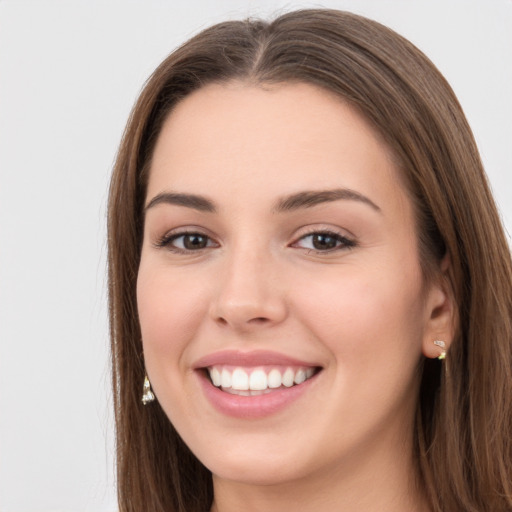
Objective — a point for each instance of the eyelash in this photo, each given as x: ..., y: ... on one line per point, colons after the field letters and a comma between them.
x: 166, y: 241
x: 342, y: 242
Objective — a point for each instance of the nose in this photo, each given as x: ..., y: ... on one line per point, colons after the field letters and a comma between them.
x: 250, y: 295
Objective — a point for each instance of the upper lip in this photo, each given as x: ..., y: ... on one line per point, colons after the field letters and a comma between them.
x: 253, y: 358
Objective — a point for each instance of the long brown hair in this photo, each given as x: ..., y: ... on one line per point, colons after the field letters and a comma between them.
x: 464, y: 415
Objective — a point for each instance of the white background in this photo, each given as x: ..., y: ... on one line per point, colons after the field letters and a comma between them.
x: 69, y: 74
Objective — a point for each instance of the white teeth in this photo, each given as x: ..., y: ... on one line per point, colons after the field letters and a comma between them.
x: 257, y: 381
x: 225, y: 378
x: 239, y: 380
x: 300, y: 377
x: 274, y: 379
x: 288, y: 378
x: 215, y: 376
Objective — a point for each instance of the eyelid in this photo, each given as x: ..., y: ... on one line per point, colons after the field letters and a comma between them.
x: 165, y: 241
x: 347, y: 241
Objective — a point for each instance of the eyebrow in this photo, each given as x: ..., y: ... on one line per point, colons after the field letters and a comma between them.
x: 193, y: 201
x: 304, y: 199
x: 310, y: 198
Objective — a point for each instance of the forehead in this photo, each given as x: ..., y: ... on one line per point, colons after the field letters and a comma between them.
x: 265, y: 138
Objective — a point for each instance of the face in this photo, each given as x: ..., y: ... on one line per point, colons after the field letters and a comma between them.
x: 280, y: 295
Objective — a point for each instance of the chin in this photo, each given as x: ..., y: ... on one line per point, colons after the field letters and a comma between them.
x: 263, y: 464
x: 256, y: 471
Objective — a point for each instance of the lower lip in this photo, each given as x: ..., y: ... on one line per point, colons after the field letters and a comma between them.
x: 257, y: 406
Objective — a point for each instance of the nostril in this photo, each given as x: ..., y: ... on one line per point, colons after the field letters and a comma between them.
x: 259, y: 320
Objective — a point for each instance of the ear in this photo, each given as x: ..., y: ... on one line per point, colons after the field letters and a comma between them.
x: 440, y: 314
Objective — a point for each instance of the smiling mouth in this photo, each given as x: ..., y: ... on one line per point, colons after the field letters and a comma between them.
x: 255, y: 381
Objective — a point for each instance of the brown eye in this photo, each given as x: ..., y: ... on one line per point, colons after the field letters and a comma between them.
x: 324, y: 242
x: 186, y: 242
x: 193, y: 241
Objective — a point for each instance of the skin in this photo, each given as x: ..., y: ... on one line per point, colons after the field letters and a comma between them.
x: 361, y: 310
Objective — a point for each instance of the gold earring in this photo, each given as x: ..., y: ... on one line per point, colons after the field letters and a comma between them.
x: 442, y: 345
x: 147, y: 394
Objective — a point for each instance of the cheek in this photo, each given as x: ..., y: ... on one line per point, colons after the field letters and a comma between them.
x: 371, y: 323
x: 361, y: 314
x: 170, y: 309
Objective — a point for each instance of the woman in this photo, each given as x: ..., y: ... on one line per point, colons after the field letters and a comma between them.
x: 308, y: 271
